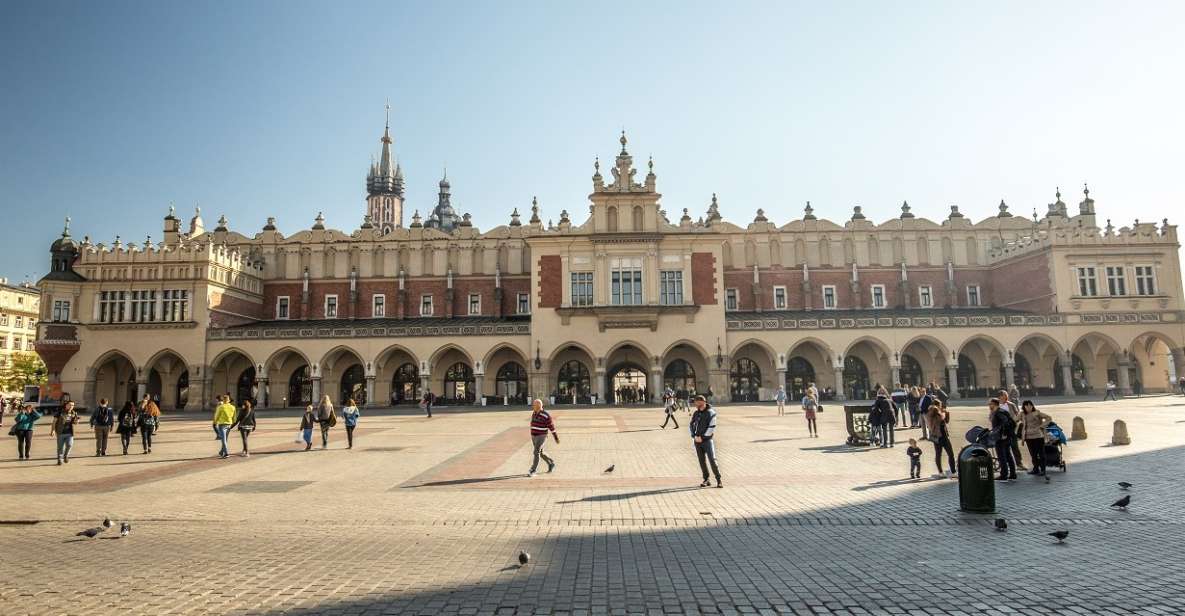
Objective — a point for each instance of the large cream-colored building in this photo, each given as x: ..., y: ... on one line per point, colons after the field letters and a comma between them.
x: 19, y: 311
x: 616, y: 303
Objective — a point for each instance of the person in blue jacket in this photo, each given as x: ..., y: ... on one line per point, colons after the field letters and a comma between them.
x: 23, y: 429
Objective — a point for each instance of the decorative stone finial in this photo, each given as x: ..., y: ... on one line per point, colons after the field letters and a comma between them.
x: 857, y: 213
x: 954, y: 212
x: 1003, y: 210
x: 564, y: 216
x: 367, y: 222
x: 116, y: 244
x: 623, y: 142
x: 271, y: 224
x: 147, y: 242
x: 760, y: 216
x: 514, y: 219
x: 416, y: 221
x: 905, y: 213
x: 1110, y: 228
x: 222, y: 223
x: 808, y: 212
x: 686, y: 216
x: 650, y: 163
x: 319, y: 221
x: 535, y: 208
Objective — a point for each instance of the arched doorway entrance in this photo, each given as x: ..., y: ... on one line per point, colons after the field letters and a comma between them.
x: 511, y: 383
x: 627, y: 384
x: 911, y: 371
x: 745, y: 379
x: 965, y: 377
x: 1077, y: 375
x: 405, y: 384
x: 679, y: 377
x: 300, y: 387
x: 353, y: 386
x: 243, y: 386
x: 458, y: 383
x: 573, y: 379
x: 799, y: 375
x: 855, y: 379
x: 115, y: 380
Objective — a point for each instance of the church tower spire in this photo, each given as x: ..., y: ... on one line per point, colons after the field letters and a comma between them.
x: 384, y: 185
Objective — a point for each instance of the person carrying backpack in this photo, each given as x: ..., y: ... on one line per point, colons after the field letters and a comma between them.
x: 126, y: 425
x: 102, y: 418
x: 1003, y: 431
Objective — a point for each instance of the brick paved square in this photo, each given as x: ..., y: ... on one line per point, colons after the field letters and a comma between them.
x: 427, y: 516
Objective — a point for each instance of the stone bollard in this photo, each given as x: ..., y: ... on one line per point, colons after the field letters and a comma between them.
x: 1079, y: 431
x: 1120, y: 435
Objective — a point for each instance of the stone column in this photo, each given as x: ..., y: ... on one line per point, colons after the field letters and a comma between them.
x: 141, y: 389
x: 952, y: 375
x: 840, y: 394
x: 425, y: 380
x: 894, y: 375
x: 316, y: 390
x: 1178, y: 367
x: 599, y: 384
x: 782, y: 380
x: 265, y: 397
x: 1067, y: 376
x: 370, y: 392
x: 479, y: 385
x: 1009, y: 375
x: 1125, y: 385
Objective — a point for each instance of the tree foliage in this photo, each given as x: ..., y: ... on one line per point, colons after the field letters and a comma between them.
x: 22, y: 369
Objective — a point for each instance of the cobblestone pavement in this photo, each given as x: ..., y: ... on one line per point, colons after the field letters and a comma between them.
x: 426, y: 516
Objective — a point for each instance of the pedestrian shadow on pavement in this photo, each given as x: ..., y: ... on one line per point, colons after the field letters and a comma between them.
x: 778, y: 440
x: 894, y: 482
x: 466, y: 481
x: 600, y: 498
x: 838, y: 449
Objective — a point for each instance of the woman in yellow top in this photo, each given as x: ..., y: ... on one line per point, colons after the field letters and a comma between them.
x: 224, y: 418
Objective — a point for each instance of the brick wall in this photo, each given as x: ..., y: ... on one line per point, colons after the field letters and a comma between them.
x: 273, y: 290
x: 227, y: 310
x: 1024, y: 283
x: 551, y: 290
x: 703, y: 278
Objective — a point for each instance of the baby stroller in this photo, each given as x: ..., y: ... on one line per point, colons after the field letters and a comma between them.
x: 1055, y: 437
x: 979, y: 435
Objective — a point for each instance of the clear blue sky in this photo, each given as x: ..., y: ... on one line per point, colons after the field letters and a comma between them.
x: 109, y: 111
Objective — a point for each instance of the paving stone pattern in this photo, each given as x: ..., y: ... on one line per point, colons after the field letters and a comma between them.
x: 426, y: 516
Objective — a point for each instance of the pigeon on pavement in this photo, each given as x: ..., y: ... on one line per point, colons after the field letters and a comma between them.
x: 610, y: 469
x: 125, y: 529
x: 1125, y: 485
x: 523, y: 557
x: 1060, y: 535
x: 1001, y: 524
x: 91, y: 533
x: 1123, y: 502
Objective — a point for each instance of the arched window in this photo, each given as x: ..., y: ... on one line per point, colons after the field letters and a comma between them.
x: 855, y: 378
x: 679, y: 377
x: 353, y: 385
x: 972, y: 251
x: 799, y: 375
x: 300, y: 387
x: 911, y: 371
x: 458, y: 383
x: 573, y: 378
x: 745, y: 380
x: 923, y: 251
x: 824, y: 251
x: 405, y: 385
x: 511, y: 382
x: 611, y: 219
x: 638, y: 214
x: 874, y: 250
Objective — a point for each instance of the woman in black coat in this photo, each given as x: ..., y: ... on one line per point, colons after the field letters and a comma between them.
x: 126, y: 425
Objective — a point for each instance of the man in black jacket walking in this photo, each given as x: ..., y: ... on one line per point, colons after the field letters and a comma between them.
x: 703, y: 429
x: 1004, y: 430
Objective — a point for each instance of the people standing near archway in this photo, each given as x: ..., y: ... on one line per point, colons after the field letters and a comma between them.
x: 938, y: 420
x: 326, y: 418
x: 1004, y: 432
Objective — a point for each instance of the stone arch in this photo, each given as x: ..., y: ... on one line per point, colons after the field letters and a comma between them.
x: 343, y: 374
x: 980, y: 358
x: 452, y: 378
x: 113, y: 376
x: 505, y: 369
x: 503, y: 346
x: 931, y: 356
x: 685, y: 368
x: 866, y: 365
x: 397, y: 376
x: 638, y: 218
x: 574, y: 374
x: 876, y: 343
x: 752, y: 371
x: 1036, y: 364
x: 444, y: 350
x: 166, y: 376
x: 629, y: 373
x: 226, y: 353
x: 290, y: 378
x: 1101, y: 358
x: 771, y: 354
x: 1153, y: 362
x: 611, y: 219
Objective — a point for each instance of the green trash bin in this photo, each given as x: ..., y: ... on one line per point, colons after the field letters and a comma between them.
x: 977, y: 486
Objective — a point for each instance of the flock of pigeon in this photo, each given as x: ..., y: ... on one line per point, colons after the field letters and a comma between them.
x: 1002, y: 525
x: 125, y: 529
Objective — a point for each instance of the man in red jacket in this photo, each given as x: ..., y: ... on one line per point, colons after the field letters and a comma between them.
x: 541, y: 424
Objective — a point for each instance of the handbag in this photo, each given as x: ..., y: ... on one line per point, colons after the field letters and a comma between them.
x: 12, y: 430
x: 332, y: 419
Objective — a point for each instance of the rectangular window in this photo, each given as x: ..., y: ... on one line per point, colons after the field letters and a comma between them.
x: 475, y: 304
x: 4, y: 342
x: 1145, y: 280
x: 878, y: 296
x: 18, y: 322
x: 972, y: 295
x: 925, y: 296
x: 378, y: 305
x: 61, y: 310
x: 730, y: 299
x: 330, y: 306
x: 524, y: 303
x: 425, y: 305
x: 582, y: 288
x: 175, y: 305
x: 282, y: 304
x: 4, y: 320
x: 143, y: 306
x: 671, y: 287
x: 829, y: 299
x: 1116, y: 283
x: 16, y: 343
x: 112, y: 306
x: 779, y: 298
x: 626, y: 281
x: 1087, y: 285
x: 32, y: 323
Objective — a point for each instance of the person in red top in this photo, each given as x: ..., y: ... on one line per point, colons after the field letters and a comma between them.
x: 541, y: 424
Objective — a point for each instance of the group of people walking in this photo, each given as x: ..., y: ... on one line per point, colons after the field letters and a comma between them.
x: 132, y: 418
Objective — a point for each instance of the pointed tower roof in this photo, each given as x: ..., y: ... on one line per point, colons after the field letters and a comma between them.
x: 385, y: 160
